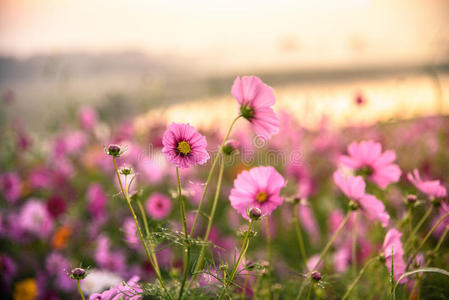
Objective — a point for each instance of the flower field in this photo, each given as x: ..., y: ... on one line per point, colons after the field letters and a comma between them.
x: 262, y: 209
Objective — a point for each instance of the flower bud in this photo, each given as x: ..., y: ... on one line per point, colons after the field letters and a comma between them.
x: 126, y: 171
x: 316, y: 275
x: 223, y: 267
x: 411, y: 199
x: 78, y: 274
x: 353, y: 205
x: 254, y: 213
x: 230, y: 146
x: 114, y: 150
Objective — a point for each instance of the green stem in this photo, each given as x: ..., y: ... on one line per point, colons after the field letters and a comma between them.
x: 243, y: 250
x: 410, y: 221
x: 331, y: 241
x: 148, y: 233
x: 79, y: 289
x: 302, y: 249
x: 420, y: 223
x: 186, y: 252
x: 426, y: 238
x: 362, y: 271
x: 269, y: 252
x: 354, y: 244
x: 139, y: 231
x: 243, y: 293
x: 200, y: 260
x: 309, y: 294
x: 209, y: 176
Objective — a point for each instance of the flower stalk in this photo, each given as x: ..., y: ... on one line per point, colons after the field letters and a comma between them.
x: 302, y: 248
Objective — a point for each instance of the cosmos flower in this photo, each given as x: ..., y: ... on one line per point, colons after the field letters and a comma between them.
x: 158, y: 206
x: 184, y: 146
x: 58, y: 265
x: 96, y: 198
x: 432, y: 188
x: 255, y: 99
x: 258, y: 187
x: 10, y: 186
x: 393, y: 251
x: 126, y: 291
x: 87, y: 117
x: 130, y: 230
x: 56, y: 206
x: 34, y: 218
x: 367, y: 158
x: 354, y: 188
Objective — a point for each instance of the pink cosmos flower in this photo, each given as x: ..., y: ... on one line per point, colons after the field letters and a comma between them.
x: 354, y: 188
x: 393, y: 251
x: 432, y: 188
x: 126, y: 291
x: 130, y: 230
x: 87, y: 117
x: 158, y: 206
x: 34, y: 218
x: 255, y: 99
x: 10, y: 186
x: 107, y: 259
x: 258, y: 187
x: 367, y: 158
x: 96, y: 198
x: 184, y: 146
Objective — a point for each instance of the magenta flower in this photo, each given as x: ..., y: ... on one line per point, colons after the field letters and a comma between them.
x: 354, y: 188
x: 393, y: 251
x: 56, y: 206
x: 130, y: 230
x: 126, y: 291
x: 255, y: 99
x: 367, y: 158
x: 184, y: 146
x: 158, y: 206
x: 96, y: 198
x: 432, y: 188
x: 10, y: 186
x: 258, y: 187
x: 87, y: 117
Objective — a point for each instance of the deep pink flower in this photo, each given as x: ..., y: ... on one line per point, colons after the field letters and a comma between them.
x: 184, y: 146
x: 10, y: 186
x: 432, y: 188
x: 255, y: 99
x: 354, y: 188
x: 258, y: 187
x: 393, y: 251
x: 96, y: 198
x: 158, y: 206
x: 87, y: 117
x: 56, y: 206
x: 107, y: 259
x: 126, y: 291
x: 367, y: 157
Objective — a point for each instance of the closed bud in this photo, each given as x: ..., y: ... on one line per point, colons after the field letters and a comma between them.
x: 353, y: 205
x: 78, y: 274
x: 114, y: 150
x: 254, y: 213
x: 126, y: 171
x: 230, y: 146
x: 224, y: 267
x: 411, y: 199
x: 316, y: 275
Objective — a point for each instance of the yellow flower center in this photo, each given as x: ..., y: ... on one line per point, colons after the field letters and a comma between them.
x: 184, y: 148
x: 261, y: 197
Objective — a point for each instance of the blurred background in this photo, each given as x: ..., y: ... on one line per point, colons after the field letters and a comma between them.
x: 175, y: 60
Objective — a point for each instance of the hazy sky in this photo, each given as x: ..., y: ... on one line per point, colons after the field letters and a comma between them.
x: 233, y: 33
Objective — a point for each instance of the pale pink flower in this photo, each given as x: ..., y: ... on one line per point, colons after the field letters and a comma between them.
x: 393, y: 251
x: 107, y: 259
x: 259, y: 187
x: 125, y: 291
x: 354, y: 188
x: 34, y: 218
x: 87, y: 117
x: 10, y: 186
x: 255, y: 99
x: 367, y: 158
x: 432, y: 188
x: 184, y: 146
x: 130, y: 230
x: 308, y: 222
x: 158, y: 206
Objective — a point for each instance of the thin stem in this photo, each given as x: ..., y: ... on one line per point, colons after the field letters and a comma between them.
x: 426, y: 238
x: 362, y: 271
x: 200, y: 260
x: 243, y: 293
x: 302, y: 249
x: 331, y: 241
x: 148, y: 233
x: 209, y: 176
x: 441, y: 240
x: 354, y: 243
x: 421, y: 222
x: 269, y: 252
x: 79, y: 289
x: 139, y: 231
x: 309, y: 294
x: 186, y: 252
x: 243, y: 250
x: 410, y: 221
